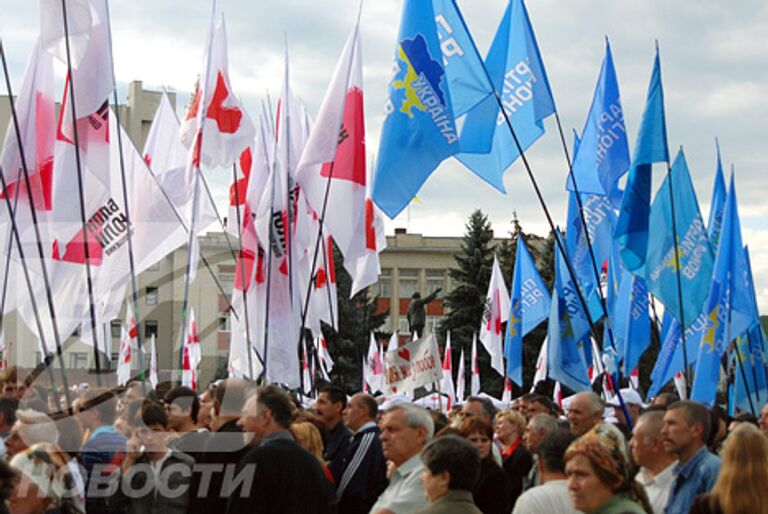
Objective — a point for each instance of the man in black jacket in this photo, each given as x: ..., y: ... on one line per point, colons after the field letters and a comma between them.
x: 361, y: 474
x: 286, y: 477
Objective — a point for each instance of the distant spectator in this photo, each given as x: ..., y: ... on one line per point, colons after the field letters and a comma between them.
x: 741, y: 486
x: 551, y: 497
x: 493, y: 492
x: 182, y: 407
x: 742, y: 417
x: 31, y: 427
x: 685, y: 432
x: 657, y: 464
x: 451, y: 469
x: 665, y: 399
x: 517, y: 460
x: 539, y: 426
x: 540, y: 404
x: 584, y: 412
x: 481, y: 407
x: 8, y: 407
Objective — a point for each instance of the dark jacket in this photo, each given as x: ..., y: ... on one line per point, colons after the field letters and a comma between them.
x: 337, y: 443
x: 170, y: 495
x: 493, y: 492
x: 286, y: 479
x: 191, y: 443
x: 102, y: 456
x: 224, y: 449
x: 517, y: 467
x: 701, y: 506
x: 361, y: 473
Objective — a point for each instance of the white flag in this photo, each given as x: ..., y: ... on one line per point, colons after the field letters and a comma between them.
x: 475, y: 369
x: 461, y: 380
x: 446, y: 386
x: 496, y: 313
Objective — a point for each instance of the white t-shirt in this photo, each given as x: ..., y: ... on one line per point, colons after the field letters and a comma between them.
x: 657, y: 488
x: 405, y: 492
x: 549, y: 498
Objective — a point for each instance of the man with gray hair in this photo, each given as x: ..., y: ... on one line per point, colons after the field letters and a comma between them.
x: 539, y: 427
x: 31, y: 427
x: 405, y: 430
x: 585, y: 411
x: 657, y: 465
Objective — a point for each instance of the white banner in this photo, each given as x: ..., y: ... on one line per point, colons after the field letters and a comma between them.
x: 413, y: 365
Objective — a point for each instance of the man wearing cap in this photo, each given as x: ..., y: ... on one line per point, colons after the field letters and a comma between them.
x: 634, y: 404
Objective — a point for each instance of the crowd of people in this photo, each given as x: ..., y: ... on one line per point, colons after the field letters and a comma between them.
x: 238, y: 448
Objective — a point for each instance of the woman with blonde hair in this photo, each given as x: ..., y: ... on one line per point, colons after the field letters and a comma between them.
x: 740, y: 486
x: 308, y: 437
x: 516, y: 459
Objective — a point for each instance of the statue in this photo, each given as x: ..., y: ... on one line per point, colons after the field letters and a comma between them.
x: 417, y: 314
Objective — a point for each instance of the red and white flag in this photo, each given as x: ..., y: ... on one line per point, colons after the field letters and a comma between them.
x: 192, y: 355
x: 334, y: 160
x: 496, y: 313
x: 216, y: 125
x: 374, y: 367
x: 681, y: 385
x: 124, y: 358
x: 52, y: 33
x: 506, y: 395
x: 541, y: 366
x: 461, y: 380
x: 326, y: 361
x: 446, y: 385
x: 475, y: 369
x: 306, y: 373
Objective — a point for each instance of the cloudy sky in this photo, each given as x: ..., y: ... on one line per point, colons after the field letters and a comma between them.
x: 714, y: 71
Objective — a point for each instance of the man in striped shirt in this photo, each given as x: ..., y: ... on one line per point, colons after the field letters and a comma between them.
x: 360, y: 474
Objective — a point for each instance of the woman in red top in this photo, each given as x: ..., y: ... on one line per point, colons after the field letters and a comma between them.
x: 308, y: 437
x: 516, y: 459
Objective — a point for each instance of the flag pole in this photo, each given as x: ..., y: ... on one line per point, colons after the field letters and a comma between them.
x: 196, y: 148
x: 321, y: 216
x: 131, y: 259
x: 8, y: 249
x: 242, y: 269
x: 38, y: 239
x: 81, y: 195
x: 41, y: 332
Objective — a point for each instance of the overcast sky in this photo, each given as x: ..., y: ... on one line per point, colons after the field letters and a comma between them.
x: 714, y: 72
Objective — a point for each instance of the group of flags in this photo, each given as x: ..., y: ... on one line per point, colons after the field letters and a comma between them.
x: 92, y: 211
x: 620, y: 252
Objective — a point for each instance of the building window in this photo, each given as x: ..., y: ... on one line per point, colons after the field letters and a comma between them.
x: 432, y: 323
x: 150, y: 328
x: 385, y: 283
x: 78, y: 360
x: 113, y: 362
x: 227, y: 280
x: 409, y: 282
x: 403, y: 328
x: 435, y: 280
x: 151, y: 297
x: 116, y: 326
x: 223, y: 322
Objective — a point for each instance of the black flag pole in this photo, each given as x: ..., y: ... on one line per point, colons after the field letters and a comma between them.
x: 131, y: 260
x: 38, y: 238
x: 81, y: 191
x: 242, y: 272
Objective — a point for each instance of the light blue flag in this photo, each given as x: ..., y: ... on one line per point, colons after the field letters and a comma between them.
x: 517, y: 72
x: 729, y: 306
x: 529, y: 306
x: 718, y: 203
x: 603, y: 157
x: 419, y: 130
x: 696, y: 258
x: 568, y: 348
x: 632, y: 225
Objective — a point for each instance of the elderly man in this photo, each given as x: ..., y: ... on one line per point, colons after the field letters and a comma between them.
x: 657, y: 465
x: 31, y: 427
x: 539, y: 427
x: 480, y: 407
x: 286, y: 477
x: 685, y: 432
x: 361, y: 474
x: 584, y: 412
x: 405, y: 430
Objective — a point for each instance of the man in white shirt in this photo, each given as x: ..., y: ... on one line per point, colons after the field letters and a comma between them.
x: 405, y: 430
x: 551, y: 497
x: 656, y: 464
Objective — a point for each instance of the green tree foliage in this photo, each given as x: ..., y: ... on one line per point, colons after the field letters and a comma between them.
x: 349, y: 343
x: 465, y: 303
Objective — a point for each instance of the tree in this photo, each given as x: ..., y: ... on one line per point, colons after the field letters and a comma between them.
x: 465, y: 303
x: 357, y: 318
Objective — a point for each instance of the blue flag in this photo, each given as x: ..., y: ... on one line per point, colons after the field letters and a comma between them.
x: 603, y: 156
x: 568, y: 349
x: 729, y: 307
x: 529, y: 306
x: 517, y: 72
x: 632, y: 226
x: 419, y: 130
x: 718, y: 203
x: 696, y: 259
